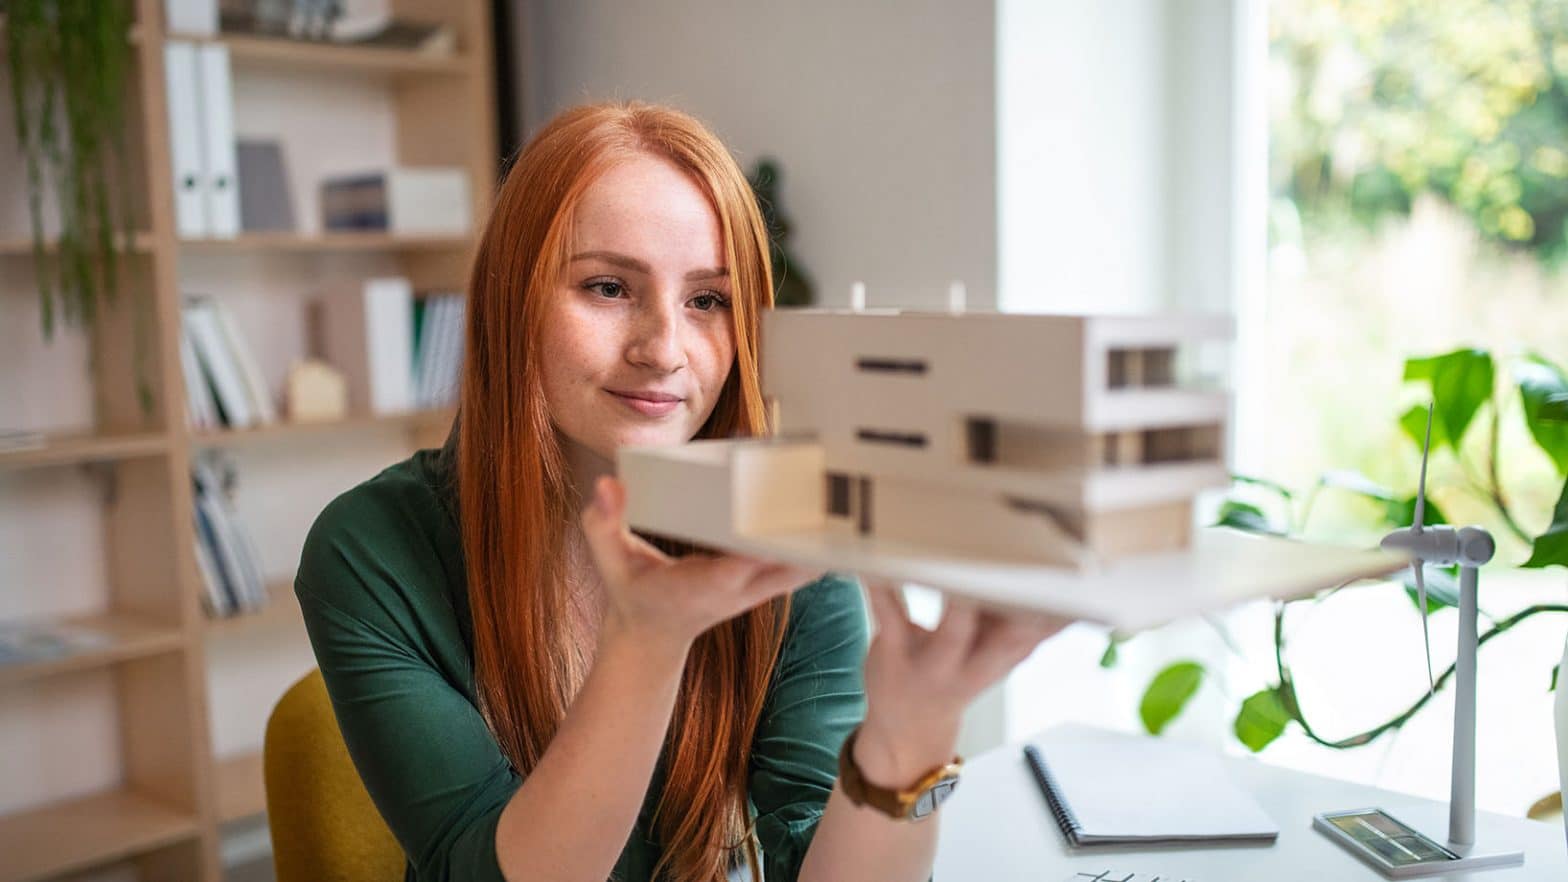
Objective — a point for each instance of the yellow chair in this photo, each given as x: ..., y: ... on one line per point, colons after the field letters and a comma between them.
x: 324, y: 826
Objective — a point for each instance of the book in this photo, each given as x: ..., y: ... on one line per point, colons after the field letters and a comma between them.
x: 368, y: 334
x: 398, y: 200
x: 23, y: 642
x: 1107, y: 788
x: 439, y: 350
x: 201, y: 410
x: 230, y: 389
x: 257, y: 394
x: 18, y: 439
x: 231, y: 565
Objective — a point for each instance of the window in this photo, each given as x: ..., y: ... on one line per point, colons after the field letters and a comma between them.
x: 838, y: 494
x: 886, y: 436
x: 892, y: 365
x: 980, y: 439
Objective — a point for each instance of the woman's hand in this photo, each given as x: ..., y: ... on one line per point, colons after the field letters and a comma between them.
x: 919, y: 682
x: 669, y: 602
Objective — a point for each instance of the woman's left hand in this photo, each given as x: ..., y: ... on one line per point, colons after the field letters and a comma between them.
x: 919, y: 682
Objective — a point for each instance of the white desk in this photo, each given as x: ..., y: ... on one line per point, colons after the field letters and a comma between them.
x: 996, y: 828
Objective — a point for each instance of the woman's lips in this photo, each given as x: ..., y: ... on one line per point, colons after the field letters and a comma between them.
x: 646, y: 407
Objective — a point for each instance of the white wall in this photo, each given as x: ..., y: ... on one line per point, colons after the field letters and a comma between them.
x: 1114, y: 131
x: 880, y: 111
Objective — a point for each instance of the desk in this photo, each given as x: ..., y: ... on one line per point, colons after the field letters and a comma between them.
x: 996, y: 828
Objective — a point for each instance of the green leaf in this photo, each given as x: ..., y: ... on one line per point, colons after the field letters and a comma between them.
x: 1554, y: 677
x: 1551, y: 547
x: 1402, y: 513
x: 1542, y: 386
x: 1413, y: 421
x: 1442, y: 587
x: 1555, y: 410
x: 1461, y: 382
x: 1168, y: 693
x: 1275, y: 486
x: 1112, y: 655
x: 1244, y: 516
x: 1355, y: 482
x: 1262, y: 719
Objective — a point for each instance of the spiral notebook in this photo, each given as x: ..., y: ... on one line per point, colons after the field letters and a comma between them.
x: 1108, y: 788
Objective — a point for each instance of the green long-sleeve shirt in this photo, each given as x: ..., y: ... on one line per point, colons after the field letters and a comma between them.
x: 383, y: 589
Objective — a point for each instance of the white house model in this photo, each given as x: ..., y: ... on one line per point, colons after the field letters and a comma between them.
x: 1044, y: 461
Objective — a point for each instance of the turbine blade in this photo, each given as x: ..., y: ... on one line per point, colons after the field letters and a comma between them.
x: 1426, y: 635
x: 1426, y: 449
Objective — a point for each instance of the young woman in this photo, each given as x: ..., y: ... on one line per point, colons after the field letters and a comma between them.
x: 530, y: 691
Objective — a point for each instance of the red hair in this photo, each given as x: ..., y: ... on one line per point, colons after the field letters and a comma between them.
x: 515, y: 496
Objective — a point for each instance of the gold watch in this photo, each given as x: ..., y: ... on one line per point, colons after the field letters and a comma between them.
x: 916, y: 802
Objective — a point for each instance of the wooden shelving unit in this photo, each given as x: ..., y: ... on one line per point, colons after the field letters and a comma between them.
x: 84, y: 447
x: 282, y: 609
x: 326, y: 243
x: 241, y: 790
x: 78, y: 834
x: 126, y: 637
x: 414, y: 420
x: 164, y: 815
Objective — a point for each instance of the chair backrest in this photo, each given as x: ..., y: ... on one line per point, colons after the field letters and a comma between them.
x: 324, y: 826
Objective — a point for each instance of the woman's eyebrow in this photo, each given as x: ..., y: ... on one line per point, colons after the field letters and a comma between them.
x: 628, y: 262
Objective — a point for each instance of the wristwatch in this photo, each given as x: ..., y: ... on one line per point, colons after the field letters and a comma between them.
x: 916, y: 802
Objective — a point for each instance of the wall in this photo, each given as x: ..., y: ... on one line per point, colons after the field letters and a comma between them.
x: 1114, y: 155
x: 880, y: 112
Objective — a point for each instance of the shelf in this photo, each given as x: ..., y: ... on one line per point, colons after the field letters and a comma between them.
x: 289, y: 54
x: 79, y: 833
x: 282, y: 608
x: 241, y: 437
x: 129, y: 638
x: 242, y: 787
x: 305, y: 243
x: 22, y: 246
x: 71, y: 449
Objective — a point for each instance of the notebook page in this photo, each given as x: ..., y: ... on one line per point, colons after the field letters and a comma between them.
x: 1130, y: 787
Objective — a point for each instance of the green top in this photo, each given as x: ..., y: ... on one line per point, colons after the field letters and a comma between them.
x: 382, y: 586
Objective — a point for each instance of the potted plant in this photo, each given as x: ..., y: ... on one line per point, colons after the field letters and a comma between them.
x: 68, y: 62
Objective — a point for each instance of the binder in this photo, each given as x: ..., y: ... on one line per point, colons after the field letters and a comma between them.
x: 1105, y: 788
x: 368, y: 333
x: 221, y: 167
x: 185, y: 138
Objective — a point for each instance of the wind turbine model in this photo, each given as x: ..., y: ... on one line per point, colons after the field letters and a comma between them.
x: 1370, y: 833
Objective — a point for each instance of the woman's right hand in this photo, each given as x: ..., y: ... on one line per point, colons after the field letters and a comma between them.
x: 670, y: 601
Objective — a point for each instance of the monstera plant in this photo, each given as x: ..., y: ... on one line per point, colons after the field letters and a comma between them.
x: 68, y: 61
x: 1467, y: 390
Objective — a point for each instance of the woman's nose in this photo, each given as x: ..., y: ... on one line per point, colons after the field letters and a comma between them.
x: 656, y: 339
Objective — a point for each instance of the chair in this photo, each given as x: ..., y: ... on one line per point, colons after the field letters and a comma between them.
x: 324, y: 826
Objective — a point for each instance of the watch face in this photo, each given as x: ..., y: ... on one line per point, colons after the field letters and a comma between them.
x: 933, y: 798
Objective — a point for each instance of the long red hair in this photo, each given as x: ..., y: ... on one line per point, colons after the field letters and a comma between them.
x: 516, y: 501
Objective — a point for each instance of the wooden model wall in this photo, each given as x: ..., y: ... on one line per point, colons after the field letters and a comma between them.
x: 1025, y: 437
x: 111, y: 756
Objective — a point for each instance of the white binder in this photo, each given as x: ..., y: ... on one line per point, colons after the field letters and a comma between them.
x: 217, y: 116
x: 185, y: 138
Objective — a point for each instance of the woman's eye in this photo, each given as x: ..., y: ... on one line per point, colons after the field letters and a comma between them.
x: 710, y: 302
x: 607, y: 289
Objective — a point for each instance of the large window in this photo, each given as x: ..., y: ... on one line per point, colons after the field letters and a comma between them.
x: 1416, y: 204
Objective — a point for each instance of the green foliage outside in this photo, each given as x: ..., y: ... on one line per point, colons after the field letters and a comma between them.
x: 1466, y: 99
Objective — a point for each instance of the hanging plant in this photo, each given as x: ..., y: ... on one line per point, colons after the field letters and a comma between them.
x: 68, y: 62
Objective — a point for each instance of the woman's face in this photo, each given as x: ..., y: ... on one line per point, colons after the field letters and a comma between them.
x: 639, y: 339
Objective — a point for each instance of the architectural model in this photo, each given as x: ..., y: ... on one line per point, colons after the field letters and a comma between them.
x: 1039, y: 461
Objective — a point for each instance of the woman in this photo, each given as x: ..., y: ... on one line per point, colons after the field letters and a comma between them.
x: 531, y: 692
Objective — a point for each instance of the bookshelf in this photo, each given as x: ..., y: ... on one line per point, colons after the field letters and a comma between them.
x: 109, y: 484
